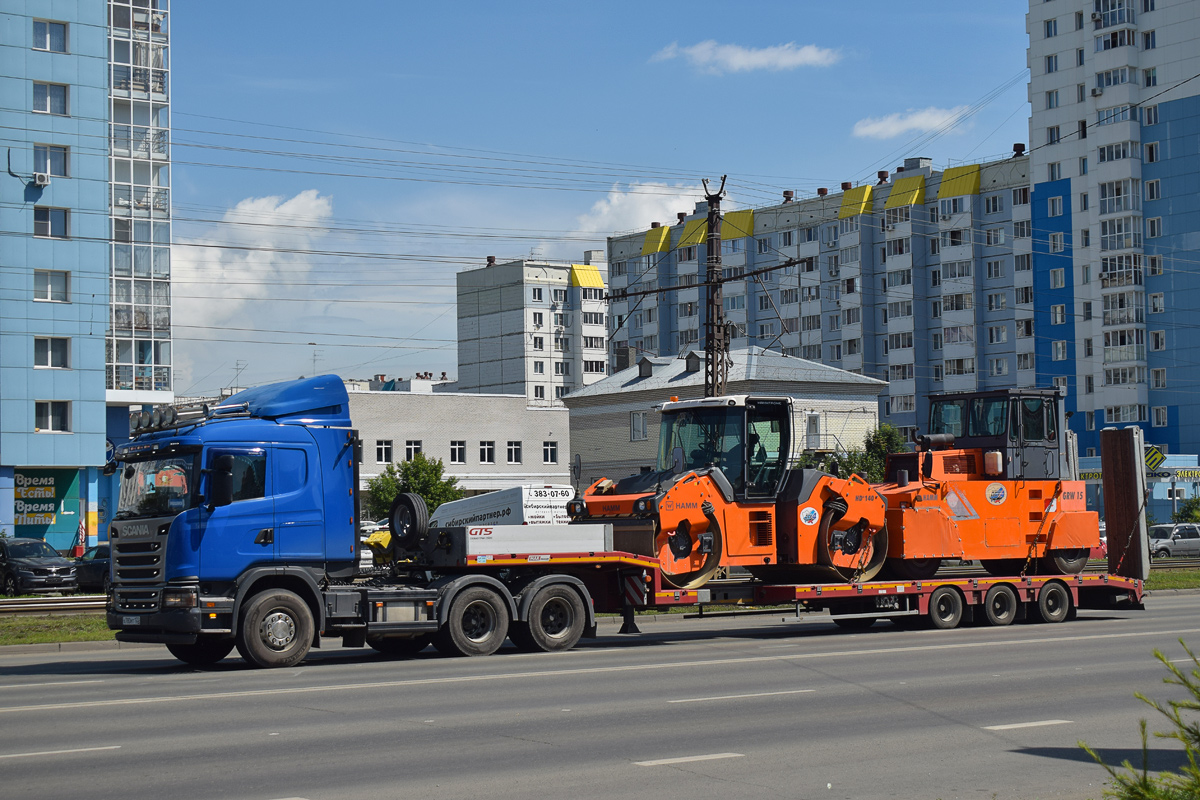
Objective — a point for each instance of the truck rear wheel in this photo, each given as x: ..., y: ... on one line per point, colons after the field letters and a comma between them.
x: 556, y: 620
x: 203, y: 653
x: 276, y: 629
x: 945, y: 608
x: 1054, y: 602
x: 477, y: 624
x: 399, y: 645
x: 1000, y: 605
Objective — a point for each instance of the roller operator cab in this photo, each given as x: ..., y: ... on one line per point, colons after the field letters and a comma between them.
x: 218, y: 502
x: 723, y: 494
x: 992, y: 480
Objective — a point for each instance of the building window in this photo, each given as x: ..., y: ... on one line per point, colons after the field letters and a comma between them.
x: 1024, y: 360
x: 560, y: 392
x: 593, y: 318
x: 1052, y: 135
x: 383, y: 451
x: 1058, y: 314
x: 51, y: 285
x: 539, y: 343
x: 1153, y: 227
x: 1153, y: 190
x: 1079, y: 56
x: 537, y: 294
x: 1059, y: 351
x: 1157, y: 305
x: 1024, y: 329
x: 1154, y: 265
x: 562, y: 344
x: 51, y: 36
x: 637, y: 426
x: 1024, y: 295
x: 1050, y: 28
x: 539, y: 368
x: 50, y: 222
x: 559, y: 295
x: 539, y: 319
x: 458, y: 450
x: 1158, y: 340
x: 997, y: 366
x: 51, y: 353
x: 1088, y: 348
x: 52, y: 416
x: 1057, y: 243
x: 562, y: 320
x: 1052, y: 99
x: 993, y: 204
x: 50, y: 159
x: 593, y: 367
x: 514, y: 452
x: 1054, y: 171
x: 50, y: 98
x: 1054, y: 207
x: 562, y: 368
x: 487, y: 452
x: 411, y: 448
x: 993, y: 237
x: 1052, y: 63
x: 997, y: 334
x: 549, y: 452
x: 1150, y: 115
x: 997, y: 301
x: 1080, y: 92
x: 1087, y: 311
x: 1022, y: 229
x: 539, y: 393
x: 1149, y: 40
x: 1152, y: 153
x: 1089, y: 384
x: 1150, y: 77
x: 1158, y: 379
x: 1022, y: 262
x: 1160, y: 417
x: 1085, y: 238
x: 1109, y: 116
x: 1020, y: 197
x: 1057, y: 278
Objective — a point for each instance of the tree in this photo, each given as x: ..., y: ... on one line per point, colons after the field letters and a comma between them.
x: 1130, y: 783
x: 421, y: 475
x: 1188, y: 512
x: 869, y: 462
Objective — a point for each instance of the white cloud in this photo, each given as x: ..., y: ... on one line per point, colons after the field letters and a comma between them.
x: 716, y: 58
x: 634, y: 207
x: 923, y: 120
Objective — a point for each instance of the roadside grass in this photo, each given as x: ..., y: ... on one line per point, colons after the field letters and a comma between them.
x: 43, y: 630
x: 1174, y: 579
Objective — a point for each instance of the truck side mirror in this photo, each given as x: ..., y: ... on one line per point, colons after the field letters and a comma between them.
x: 677, y: 461
x: 927, y: 464
x: 221, y: 482
x: 129, y: 472
x: 110, y: 468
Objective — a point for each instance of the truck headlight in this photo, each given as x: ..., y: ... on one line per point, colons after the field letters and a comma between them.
x: 180, y: 598
x: 644, y: 505
x: 576, y: 508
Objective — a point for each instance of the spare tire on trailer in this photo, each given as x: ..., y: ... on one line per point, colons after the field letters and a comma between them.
x: 408, y: 521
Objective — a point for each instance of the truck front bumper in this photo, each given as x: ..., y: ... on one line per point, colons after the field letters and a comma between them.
x: 177, y: 626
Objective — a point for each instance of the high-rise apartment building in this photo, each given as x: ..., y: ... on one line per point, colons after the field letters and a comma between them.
x: 924, y: 280
x: 534, y: 328
x: 84, y: 256
x: 1116, y: 214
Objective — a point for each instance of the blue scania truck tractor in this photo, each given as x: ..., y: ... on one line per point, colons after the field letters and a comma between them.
x: 237, y: 526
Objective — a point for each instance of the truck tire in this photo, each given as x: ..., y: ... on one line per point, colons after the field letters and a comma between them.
x: 276, y: 630
x: 1054, y: 602
x: 914, y: 569
x: 1000, y: 605
x: 204, y: 652
x: 399, y: 646
x: 945, y: 608
x: 476, y: 626
x: 556, y: 621
x: 408, y: 521
x: 1066, y: 562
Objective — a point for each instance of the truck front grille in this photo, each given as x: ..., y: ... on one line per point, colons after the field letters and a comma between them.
x: 139, y: 562
x: 136, y: 600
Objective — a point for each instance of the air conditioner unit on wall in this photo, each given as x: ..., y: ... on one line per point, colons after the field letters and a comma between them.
x: 1097, y: 16
x: 41, y: 179
x: 1097, y: 91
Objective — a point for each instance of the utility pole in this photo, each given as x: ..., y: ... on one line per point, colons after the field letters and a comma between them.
x: 716, y: 335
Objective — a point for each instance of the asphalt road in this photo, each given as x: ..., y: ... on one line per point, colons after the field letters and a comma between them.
x: 747, y: 707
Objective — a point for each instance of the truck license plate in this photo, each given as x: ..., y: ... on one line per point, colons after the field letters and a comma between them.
x: 131, y: 620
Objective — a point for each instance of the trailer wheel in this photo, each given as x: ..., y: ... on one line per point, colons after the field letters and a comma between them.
x: 400, y: 646
x: 477, y: 624
x: 556, y: 620
x: 1000, y: 605
x: 945, y: 608
x: 276, y: 629
x: 203, y: 653
x: 854, y: 623
x: 1054, y: 602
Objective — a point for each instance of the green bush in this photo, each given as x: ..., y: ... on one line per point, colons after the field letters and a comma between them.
x: 421, y: 475
x: 1131, y: 783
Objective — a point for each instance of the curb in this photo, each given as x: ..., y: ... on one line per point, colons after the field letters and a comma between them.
x: 70, y: 647
x: 1152, y: 592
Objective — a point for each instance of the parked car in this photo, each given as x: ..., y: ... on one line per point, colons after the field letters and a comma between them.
x: 1180, y: 539
x: 30, y: 566
x: 368, y: 527
x: 92, y: 569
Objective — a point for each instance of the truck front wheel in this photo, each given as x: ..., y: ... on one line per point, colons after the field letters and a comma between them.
x: 203, y: 653
x: 556, y: 620
x: 276, y: 629
x: 477, y: 624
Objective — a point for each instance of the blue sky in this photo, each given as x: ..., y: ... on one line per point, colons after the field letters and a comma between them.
x: 334, y: 170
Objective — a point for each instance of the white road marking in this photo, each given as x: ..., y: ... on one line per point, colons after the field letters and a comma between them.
x: 56, y: 683
x: 1038, y: 724
x: 740, y: 696
x: 549, y: 673
x: 713, y: 757
x: 62, y: 752
x: 1180, y: 661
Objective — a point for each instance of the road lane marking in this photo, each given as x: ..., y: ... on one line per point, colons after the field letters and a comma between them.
x: 1038, y: 724
x: 61, y: 752
x: 740, y: 696
x: 550, y: 673
x: 686, y: 759
x: 56, y: 683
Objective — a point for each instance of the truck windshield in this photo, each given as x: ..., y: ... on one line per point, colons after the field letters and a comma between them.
x: 979, y: 416
x: 708, y: 436
x: 156, y: 488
